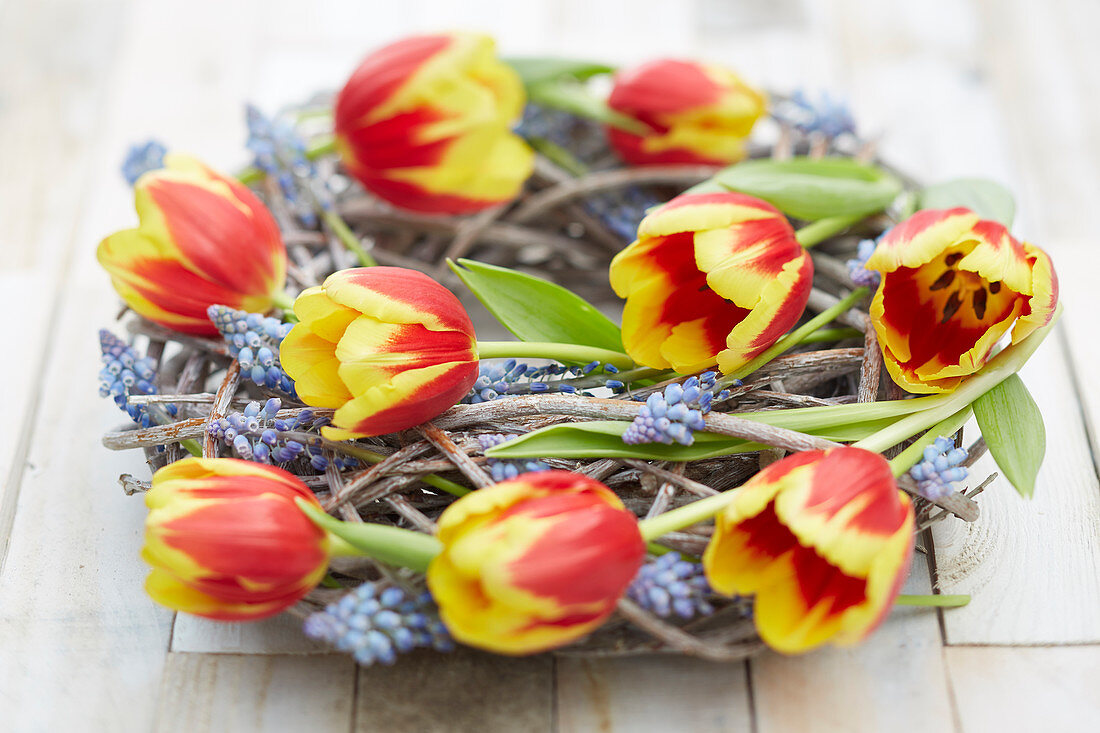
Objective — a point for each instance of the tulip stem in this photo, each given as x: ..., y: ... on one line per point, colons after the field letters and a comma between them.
x: 832, y: 334
x: 574, y: 353
x: 347, y: 237
x: 823, y: 229
x: 393, y: 545
x: 941, y: 407
x: 685, y: 516
x: 911, y: 455
x: 795, y: 337
x: 934, y: 600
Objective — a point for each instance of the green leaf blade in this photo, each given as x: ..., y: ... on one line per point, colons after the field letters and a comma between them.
x: 987, y: 199
x: 537, y: 69
x: 813, y: 189
x: 1013, y: 429
x: 534, y: 309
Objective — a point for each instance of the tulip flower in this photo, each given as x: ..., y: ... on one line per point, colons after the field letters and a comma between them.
x: 697, y: 113
x: 227, y: 541
x: 823, y: 539
x: 712, y: 278
x: 952, y: 286
x: 203, y: 239
x: 387, y: 347
x: 425, y: 123
x: 533, y: 563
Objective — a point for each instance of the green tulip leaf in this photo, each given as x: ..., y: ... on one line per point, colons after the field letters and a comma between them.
x: 813, y: 189
x: 538, y: 69
x: 534, y: 309
x: 573, y: 97
x: 1013, y: 429
x: 604, y: 439
x: 987, y: 199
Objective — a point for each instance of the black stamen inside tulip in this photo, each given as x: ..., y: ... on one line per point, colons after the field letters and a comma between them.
x: 704, y: 288
x: 952, y: 305
x: 995, y: 288
x: 944, y: 280
x: 952, y: 258
x: 979, y: 303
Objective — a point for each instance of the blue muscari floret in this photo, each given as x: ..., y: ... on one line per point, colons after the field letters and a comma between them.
x: 508, y: 378
x: 674, y: 416
x: 142, y: 158
x: 826, y: 115
x: 580, y: 136
x: 280, y: 152
x: 503, y: 469
x: 256, y: 434
x: 253, y: 339
x: 857, y: 267
x: 670, y: 585
x: 377, y: 621
x: 125, y: 373
x: 622, y: 210
x: 939, y: 468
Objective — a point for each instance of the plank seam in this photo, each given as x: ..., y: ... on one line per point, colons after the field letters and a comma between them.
x: 1075, y: 383
x: 750, y: 693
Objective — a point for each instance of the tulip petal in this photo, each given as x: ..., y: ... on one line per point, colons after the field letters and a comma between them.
x: 399, y: 295
x: 1044, y: 299
x: 166, y: 590
x: 311, y: 362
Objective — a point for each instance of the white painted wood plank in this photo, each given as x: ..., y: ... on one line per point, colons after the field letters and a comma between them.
x: 464, y: 690
x: 894, y: 681
x: 225, y: 692
x: 1001, y: 689
x: 651, y: 693
x: 278, y: 635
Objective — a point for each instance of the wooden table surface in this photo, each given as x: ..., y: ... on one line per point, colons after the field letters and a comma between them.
x: 1006, y: 89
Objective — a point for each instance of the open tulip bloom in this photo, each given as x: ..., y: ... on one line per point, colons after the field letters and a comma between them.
x: 952, y: 286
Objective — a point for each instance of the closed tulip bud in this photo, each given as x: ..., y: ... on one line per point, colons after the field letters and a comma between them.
x: 952, y: 286
x: 227, y: 541
x: 823, y: 539
x: 533, y: 563
x: 712, y: 278
x: 425, y: 123
x: 697, y: 113
x: 203, y: 239
x: 387, y: 347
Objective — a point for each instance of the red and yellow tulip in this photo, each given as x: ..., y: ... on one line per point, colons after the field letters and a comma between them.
x: 712, y: 278
x: 952, y: 286
x: 425, y: 123
x: 203, y: 239
x: 387, y: 347
x: 823, y: 539
x: 533, y: 563
x: 226, y: 540
x: 697, y: 113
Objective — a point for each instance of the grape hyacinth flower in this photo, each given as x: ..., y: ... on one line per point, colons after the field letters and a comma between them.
x: 502, y: 469
x: 125, y: 373
x: 857, y: 267
x: 280, y: 152
x: 256, y: 434
x: 939, y: 469
x: 622, y: 211
x: 377, y: 621
x: 254, y: 339
x: 142, y: 158
x: 825, y: 115
x: 581, y: 137
x: 671, y: 585
x: 507, y: 378
x: 674, y: 416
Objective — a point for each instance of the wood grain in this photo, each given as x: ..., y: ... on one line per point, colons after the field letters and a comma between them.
x: 212, y: 693
x: 463, y: 690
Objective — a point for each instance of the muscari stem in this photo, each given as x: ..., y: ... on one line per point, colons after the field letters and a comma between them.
x: 911, y: 455
x: 548, y: 350
x: 933, y: 600
x: 393, y: 545
x: 941, y: 407
x: 795, y: 337
x: 823, y: 229
x: 347, y: 237
x: 368, y: 456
